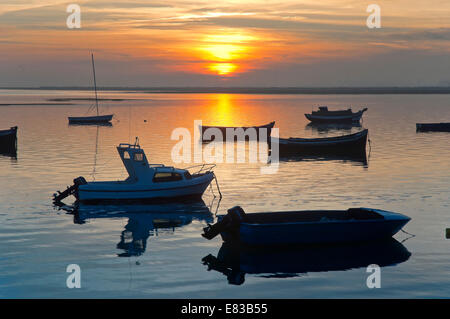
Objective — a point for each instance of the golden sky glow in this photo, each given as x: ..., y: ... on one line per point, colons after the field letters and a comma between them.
x: 183, y: 42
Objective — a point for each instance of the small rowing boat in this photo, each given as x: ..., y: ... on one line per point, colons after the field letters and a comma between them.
x: 8, y: 139
x: 433, y: 127
x: 146, y: 182
x: 353, y: 144
x: 251, y: 132
x: 96, y: 119
x: 323, y: 115
x: 99, y: 119
x: 306, y: 227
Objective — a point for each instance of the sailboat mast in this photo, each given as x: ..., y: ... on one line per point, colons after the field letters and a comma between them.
x: 95, y: 83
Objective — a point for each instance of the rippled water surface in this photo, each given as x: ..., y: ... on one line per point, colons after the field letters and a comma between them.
x: 156, y: 251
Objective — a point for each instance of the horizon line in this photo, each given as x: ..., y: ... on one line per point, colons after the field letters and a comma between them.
x: 254, y: 89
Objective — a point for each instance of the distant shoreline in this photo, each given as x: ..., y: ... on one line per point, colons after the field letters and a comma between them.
x: 255, y: 90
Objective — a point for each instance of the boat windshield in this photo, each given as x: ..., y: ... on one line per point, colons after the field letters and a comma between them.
x: 167, y: 177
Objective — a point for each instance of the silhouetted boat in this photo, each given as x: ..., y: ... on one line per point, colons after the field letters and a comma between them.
x: 433, y: 127
x: 96, y: 118
x: 323, y: 115
x: 8, y: 140
x: 99, y: 119
x: 346, y: 144
x: 267, y: 129
x: 235, y: 260
x: 306, y: 227
x: 145, y: 181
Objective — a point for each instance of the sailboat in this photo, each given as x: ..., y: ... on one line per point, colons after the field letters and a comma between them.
x: 96, y: 119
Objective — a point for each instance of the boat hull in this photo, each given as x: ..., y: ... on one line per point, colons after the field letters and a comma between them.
x: 99, y: 192
x: 354, y: 117
x: 433, y: 127
x: 91, y: 119
x: 318, y: 232
x: 352, y: 145
x: 8, y: 140
x: 223, y: 131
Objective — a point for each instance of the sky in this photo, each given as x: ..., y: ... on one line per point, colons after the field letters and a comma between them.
x: 225, y: 43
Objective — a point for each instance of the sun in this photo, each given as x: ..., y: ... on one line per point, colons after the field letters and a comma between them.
x: 224, y: 52
x: 222, y: 68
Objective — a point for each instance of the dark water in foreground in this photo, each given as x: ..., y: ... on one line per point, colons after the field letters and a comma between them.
x: 156, y: 251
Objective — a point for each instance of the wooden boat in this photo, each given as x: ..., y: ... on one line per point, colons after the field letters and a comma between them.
x: 96, y: 119
x: 353, y: 144
x: 8, y: 139
x: 323, y: 115
x: 146, y: 182
x: 433, y: 127
x: 266, y: 129
x: 235, y: 260
x: 306, y: 227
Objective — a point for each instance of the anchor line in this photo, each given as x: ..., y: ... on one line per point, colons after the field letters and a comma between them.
x: 95, y: 157
x: 410, y: 236
x: 218, y: 188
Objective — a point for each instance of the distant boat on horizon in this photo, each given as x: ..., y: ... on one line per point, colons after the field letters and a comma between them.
x: 95, y: 119
x: 433, y: 127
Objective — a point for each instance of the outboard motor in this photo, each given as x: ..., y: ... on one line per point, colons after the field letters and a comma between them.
x: 229, y: 222
x: 72, y: 190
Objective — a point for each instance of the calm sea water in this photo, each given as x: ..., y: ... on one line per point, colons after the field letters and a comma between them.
x: 156, y: 251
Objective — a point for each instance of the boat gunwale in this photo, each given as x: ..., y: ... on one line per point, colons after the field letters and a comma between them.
x: 329, y: 221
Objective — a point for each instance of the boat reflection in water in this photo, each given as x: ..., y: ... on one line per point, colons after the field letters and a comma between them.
x: 361, y: 160
x: 144, y: 220
x: 235, y: 260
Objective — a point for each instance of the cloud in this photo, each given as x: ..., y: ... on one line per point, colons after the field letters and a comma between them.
x: 161, y: 40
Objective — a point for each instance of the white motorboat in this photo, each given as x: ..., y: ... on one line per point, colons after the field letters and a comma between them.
x: 145, y: 181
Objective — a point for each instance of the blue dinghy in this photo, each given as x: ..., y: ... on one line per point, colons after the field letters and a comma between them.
x: 306, y: 227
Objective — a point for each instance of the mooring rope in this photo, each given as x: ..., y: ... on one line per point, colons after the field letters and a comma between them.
x: 218, y: 188
x: 410, y: 236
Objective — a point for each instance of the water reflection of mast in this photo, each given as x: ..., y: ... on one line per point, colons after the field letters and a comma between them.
x: 95, y: 156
